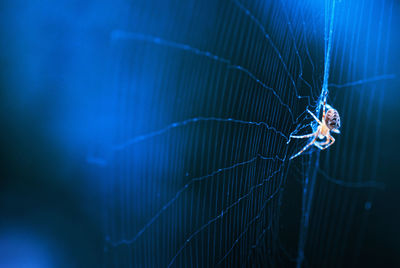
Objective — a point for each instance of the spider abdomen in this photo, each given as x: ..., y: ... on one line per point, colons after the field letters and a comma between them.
x: 332, y: 119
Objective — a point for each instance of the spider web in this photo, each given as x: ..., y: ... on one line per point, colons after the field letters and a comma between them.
x: 206, y: 96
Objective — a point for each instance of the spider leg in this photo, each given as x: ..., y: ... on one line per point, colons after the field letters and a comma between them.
x: 333, y: 141
x: 316, y: 118
x: 304, y: 136
x: 328, y: 140
x: 320, y: 144
x: 305, y: 147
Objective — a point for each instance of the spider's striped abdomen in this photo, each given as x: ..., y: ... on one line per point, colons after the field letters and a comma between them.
x: 332, y: 119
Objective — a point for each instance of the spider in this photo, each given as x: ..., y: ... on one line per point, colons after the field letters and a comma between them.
x: 330, y: 122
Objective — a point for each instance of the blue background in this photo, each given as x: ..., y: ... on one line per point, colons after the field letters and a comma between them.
x: 71, y: 89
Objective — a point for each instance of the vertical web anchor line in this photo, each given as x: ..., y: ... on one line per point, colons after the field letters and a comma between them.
x: 309, y: 182
x: 324, y: 91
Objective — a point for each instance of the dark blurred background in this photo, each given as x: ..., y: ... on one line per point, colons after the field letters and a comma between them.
x: 56, y: 65
x: 53, y: 66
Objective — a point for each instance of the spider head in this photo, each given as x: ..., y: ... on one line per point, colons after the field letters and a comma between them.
x: 332, y: 120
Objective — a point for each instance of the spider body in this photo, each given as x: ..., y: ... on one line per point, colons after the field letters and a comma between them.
x: 332, y: 119
x: 330, y: 122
